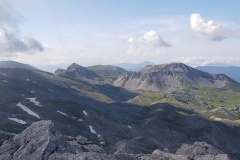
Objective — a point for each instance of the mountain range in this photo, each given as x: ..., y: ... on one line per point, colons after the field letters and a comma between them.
x: 159, y: 107
x: 170, y: 76
x: 231, y: 71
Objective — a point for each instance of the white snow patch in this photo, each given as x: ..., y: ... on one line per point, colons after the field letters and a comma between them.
x: 73, y: 117
x: 3, y: 74
x: 4, y: 81
x: 27, y: 80
x: 99, y: 135
x: 33, y: 100
x: 92, y: 130
x: 102, y: 143
x: 80, y: 120
x: 85, y: 113
x: 30, y: 112
x: 50, y: 90
x: 17, y: 120
x: 34, y: 82
x: 216, y: 119
x: 129, y: 127
x: 32, y: 92
x: 62, y: 113
x: 22, y: 95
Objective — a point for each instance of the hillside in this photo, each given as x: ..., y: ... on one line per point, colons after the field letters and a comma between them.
x: 105, y: 114
x: 231, y: 71
x: 171, y: 77
x: 76, y: 71
x: 13, y: 64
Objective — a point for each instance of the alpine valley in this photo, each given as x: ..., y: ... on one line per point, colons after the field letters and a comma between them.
x: 168, y: 111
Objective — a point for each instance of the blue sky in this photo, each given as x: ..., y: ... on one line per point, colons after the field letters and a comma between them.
x: 56, y: 33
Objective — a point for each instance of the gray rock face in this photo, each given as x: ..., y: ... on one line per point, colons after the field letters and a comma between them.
x: 41, y: 141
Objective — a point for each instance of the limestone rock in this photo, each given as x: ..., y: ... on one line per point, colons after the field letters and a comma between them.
x: 81, y: 139
x: 201, y: 150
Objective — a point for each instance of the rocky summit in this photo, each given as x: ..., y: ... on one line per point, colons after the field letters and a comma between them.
x: 41, y: 141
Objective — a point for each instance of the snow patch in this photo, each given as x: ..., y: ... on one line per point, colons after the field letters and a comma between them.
x: 73, y: 117
x: 92, y: 130
x: 80, y: 120
x: 129, y: 127
x: 216, y: 119
x: 27, y: 80
x: 32, y: 92
x: 17, y: 120
x: 4, y: 81
x: 3, y: 74
x: 62, y: 113
x: 85, y: 113
x: 30, y: 112
x: 99, y: 135
x: 102, y: 143
x: 33, y: 100
x: 50, y: 90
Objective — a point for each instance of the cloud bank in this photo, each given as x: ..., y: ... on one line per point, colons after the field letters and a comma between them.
x: 11, y: 42
x: 203, y: 61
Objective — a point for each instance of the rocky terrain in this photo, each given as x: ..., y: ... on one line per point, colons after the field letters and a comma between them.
x: 117, y: 119
x: 41, y: 141
x: 170, y: 76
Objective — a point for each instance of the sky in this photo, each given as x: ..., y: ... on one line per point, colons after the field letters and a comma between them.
x: 55, y: 33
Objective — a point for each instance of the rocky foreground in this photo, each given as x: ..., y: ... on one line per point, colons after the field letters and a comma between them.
x: 41, y: 141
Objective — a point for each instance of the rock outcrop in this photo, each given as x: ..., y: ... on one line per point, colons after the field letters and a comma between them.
x: 41, y: 141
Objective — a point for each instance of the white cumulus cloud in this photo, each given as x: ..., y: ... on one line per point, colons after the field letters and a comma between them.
x: 208, y: 28
x: 152, y: 38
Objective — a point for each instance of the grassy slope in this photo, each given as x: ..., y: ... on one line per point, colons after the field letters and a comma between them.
x: 197, y: 99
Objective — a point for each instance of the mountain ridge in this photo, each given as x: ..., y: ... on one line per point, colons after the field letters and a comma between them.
x: 231, y: 71
x: 14, y: 64
x: 170, y: 76
x: 77, y: 72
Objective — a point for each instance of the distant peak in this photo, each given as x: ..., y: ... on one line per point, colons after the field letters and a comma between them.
x: 74, y: 66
